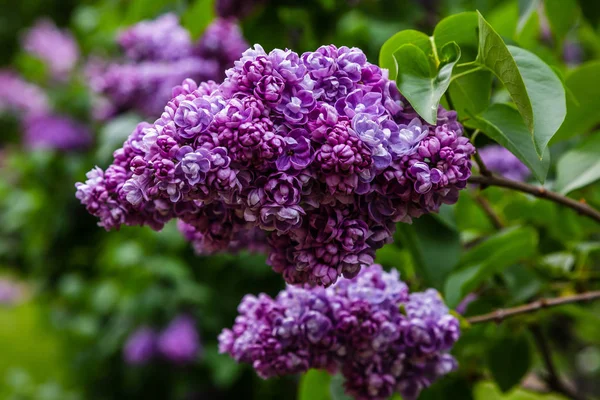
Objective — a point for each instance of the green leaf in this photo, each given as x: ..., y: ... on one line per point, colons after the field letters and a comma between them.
x: 337, y: 388
x: 526, y: 8
x: 582, y: 115
x: 508, y: 360
x: 492, y: 256
x: 579, y: 167
x: 494, y: 55
x: 114, y: 133
x: 546, y: 93
x: 470, y: 93
x: 315, y: 385
x: 386, y: 54
x: 562, y: 16
x: 422, y: 88
x: 503, y: 123
x: 488, y: 391
x: 197, y: 17
x: 460, y: 28
x: 143, y: 9
x: 434, y: 247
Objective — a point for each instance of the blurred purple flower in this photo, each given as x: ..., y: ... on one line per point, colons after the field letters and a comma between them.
x: 140, y: 347
x: 19, y: 96
x: 180, y: 342
x: 57, y: 48
x: 501, y: 161
x: 56, y: 133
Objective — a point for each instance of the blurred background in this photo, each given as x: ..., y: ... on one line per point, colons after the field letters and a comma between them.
x: 87, y: 314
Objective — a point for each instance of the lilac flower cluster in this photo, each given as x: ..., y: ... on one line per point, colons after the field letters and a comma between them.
x: 160, y: 54
x: 178, y: 343
x: 57, y: 48
x: 370, y: 329
x: 48, y: 131
x: 319, y: 151
x: 19, y: 96
x: 501, y: 161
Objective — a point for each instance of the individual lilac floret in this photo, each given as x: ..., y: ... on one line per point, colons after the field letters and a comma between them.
x: 56, y: 133
x: 501, y: 161
x: 160, y: 39
x: 19, y: 96
x: 320, y: 152
x: 57, y: 48
x: 180, y: 342
x: 382, y: 339
x: 140, y: 347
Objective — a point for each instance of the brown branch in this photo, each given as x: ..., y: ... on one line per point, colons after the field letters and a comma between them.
x: 555, y: 383
x: 501, y: 314
x: 580, y: 206
x: 489, y: 211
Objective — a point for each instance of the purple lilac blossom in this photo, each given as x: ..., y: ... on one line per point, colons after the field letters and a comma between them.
x: 10, y: 292
x: 55, y: 132
x: 140, y: 347
x: 380, y: 337
x: 324, y: 169
x: 161, y: 39
x: 501, y: 161
x: 57, y: 48
x: 180, y: 342
x: 223, y: 42
x: 159, y: 55
x: 19, y: 96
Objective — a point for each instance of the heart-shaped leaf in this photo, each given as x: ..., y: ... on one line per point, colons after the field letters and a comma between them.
x: 409, y: 36
x: 422, y: 87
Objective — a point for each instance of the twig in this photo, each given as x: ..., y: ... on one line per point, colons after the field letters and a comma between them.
x: 501, y: 314
x: 489, y: 211
x: 580, y: 206
x: 553, y: 379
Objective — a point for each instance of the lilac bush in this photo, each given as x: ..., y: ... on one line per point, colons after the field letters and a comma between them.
x: 57, y: 48
x: 159, y: 55
x: 380, y: 337
x: 320, y: 152
x: 501, y: 161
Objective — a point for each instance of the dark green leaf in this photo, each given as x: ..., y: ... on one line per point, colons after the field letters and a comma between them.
x: 495, y: 56
x: 521, y: 283
x: 434, y: 247
x: 197, y: 17
x: 460, y: 28
x: 504, y: 124
x: 579, y: 167
x: 315, y: 385
x: 386, y: 54
x: 337, y: 388
x: 583, y: 114
x: 416, y: 81
x: 470, y: 93
x: 508, y: 360
x: 546, y: 93
x: 488, y: 258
